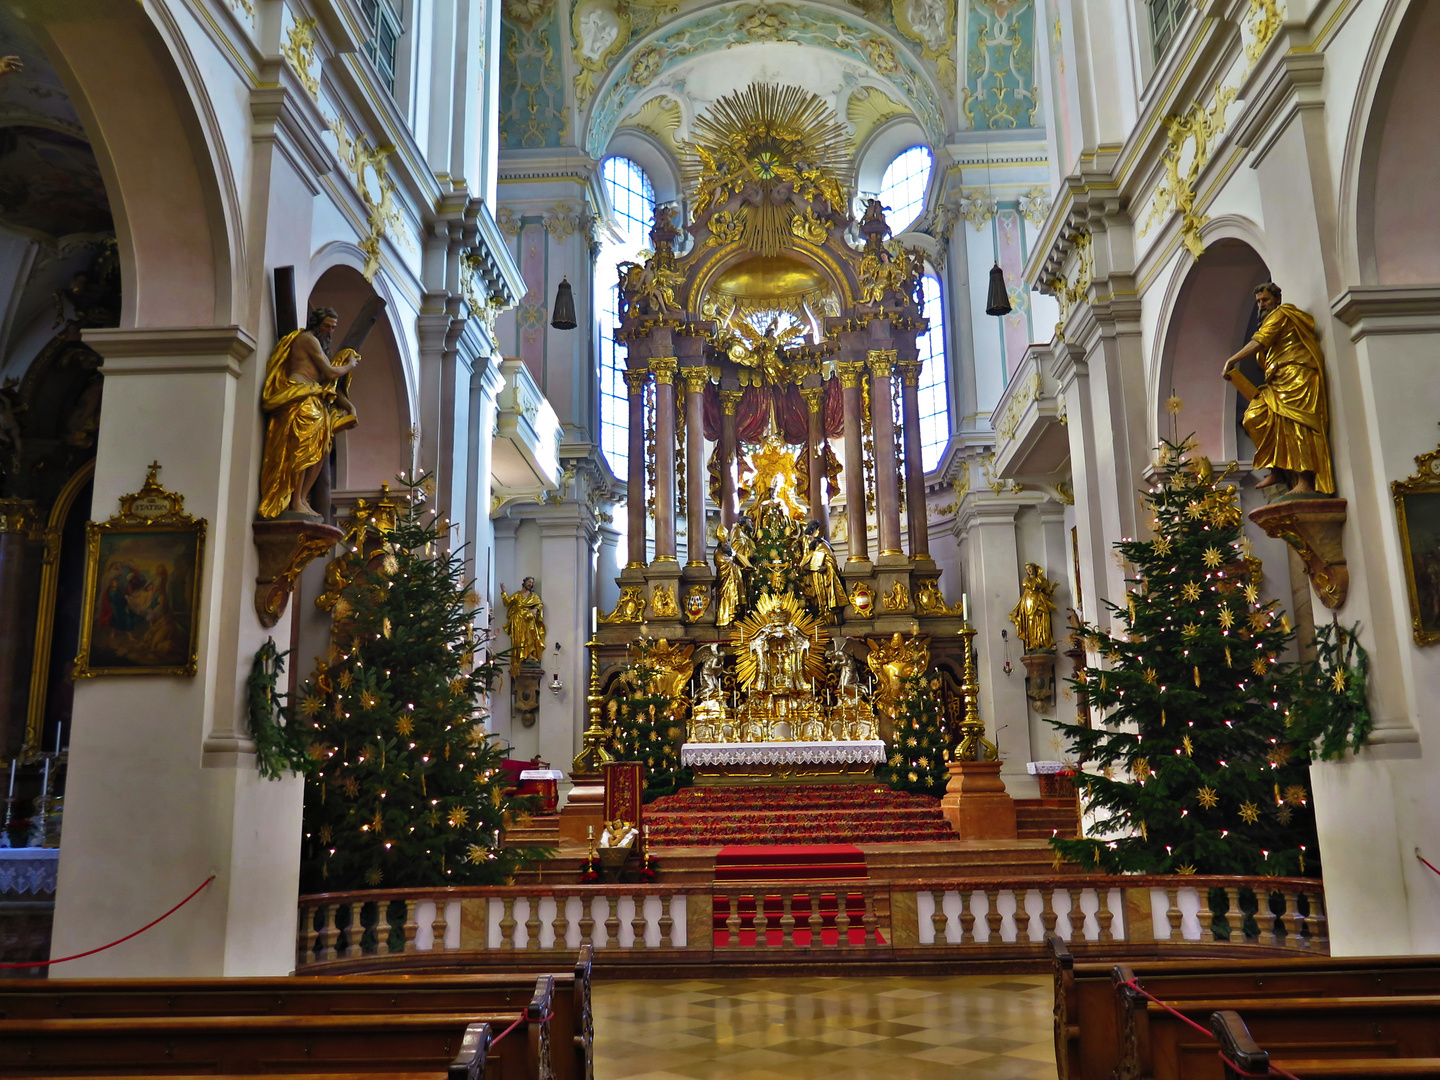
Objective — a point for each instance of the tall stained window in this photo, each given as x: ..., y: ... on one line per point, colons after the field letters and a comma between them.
x: 934, y: 404
x: 633, y: 200
x: 902, y: 187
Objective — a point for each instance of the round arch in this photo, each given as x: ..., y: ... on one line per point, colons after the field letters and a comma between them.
x: 1209, y: 308
x: 1388, y: 150
x: 713, y: 29
x: 380, y: 388
x: 153, y: 134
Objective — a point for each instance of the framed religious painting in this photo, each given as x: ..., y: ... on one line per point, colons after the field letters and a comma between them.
x: 1417, y: 508
x: 141, y: 610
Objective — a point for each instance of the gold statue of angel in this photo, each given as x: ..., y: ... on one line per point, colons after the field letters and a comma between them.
x: 762, y: 351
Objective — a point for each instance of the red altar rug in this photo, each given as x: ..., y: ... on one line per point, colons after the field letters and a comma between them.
x: 842, y: 863
x: 795, y: 814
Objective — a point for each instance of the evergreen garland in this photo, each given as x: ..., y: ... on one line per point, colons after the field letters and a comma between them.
x: 407, y: 789
x: 1335, y: 710
x: 279, y: 743
x: 1192, y: 769
x: 918, y: 758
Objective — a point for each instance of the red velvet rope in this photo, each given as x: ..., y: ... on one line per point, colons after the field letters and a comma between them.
x: 127, y: 937
x: 547, y: 1017
x: 1426, y: 861
x: 1274, y: 1071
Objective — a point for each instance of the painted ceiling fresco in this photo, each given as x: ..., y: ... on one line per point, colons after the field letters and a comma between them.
x: 573, y: 71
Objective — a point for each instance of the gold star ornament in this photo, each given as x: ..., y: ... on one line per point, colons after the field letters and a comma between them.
x: 1190, y: 590
x: 1227, y: 618
x: 1162, y: 546
x: 1212, y: 557
x: 1187, y: 746
x: 1249, y: 812
x: 1207, y: 798
x: 459, y: 817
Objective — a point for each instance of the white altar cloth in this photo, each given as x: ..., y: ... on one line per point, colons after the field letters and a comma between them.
x: 859, y: 752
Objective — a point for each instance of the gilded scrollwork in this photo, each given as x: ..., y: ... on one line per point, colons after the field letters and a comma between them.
x: 299, y: 49
x: 369, y: 166
x: 1198, y: 128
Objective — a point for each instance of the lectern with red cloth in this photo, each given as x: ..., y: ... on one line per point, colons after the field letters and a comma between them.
x: 624, y: 791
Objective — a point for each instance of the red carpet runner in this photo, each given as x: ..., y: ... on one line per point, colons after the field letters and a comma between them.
x: 789, y: 862
x: 795, y: 814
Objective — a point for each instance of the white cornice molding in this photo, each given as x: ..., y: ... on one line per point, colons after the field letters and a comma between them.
x: 171, y: 350
x: 1388, y: 309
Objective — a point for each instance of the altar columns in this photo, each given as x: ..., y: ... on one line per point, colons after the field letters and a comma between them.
x: 730, y: 402
x: 916, y: 523
x: 882, y: 422
x: 695, y: 380
x: 857, y: 529
x: 664, y: 368
x: 814, y: 406
x: 635, y: 380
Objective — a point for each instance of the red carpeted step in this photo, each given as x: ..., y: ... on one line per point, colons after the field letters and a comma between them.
x: 790, y: 862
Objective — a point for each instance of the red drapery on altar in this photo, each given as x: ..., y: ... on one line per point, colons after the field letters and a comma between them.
x: 752, y: 418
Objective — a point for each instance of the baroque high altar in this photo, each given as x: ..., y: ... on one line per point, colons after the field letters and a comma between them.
x: 782, y: 336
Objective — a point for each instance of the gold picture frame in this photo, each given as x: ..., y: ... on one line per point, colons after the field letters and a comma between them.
x: 142, y: 587
x: 1417, y: 510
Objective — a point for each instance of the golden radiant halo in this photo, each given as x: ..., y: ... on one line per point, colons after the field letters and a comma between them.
x: 795, y: 613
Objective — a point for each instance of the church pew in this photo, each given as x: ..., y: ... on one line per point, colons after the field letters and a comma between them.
x: 504, y: 996
x: 1156, y: 1044
x: 377, y: 1048
x: 1087, y: 1012
x: 1242, y: 1055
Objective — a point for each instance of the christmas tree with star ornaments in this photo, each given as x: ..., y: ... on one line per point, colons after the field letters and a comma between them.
x: 1191, y: 765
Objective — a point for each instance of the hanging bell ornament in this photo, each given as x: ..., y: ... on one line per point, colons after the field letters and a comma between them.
x: 564, y: 314
x: 998, y: 302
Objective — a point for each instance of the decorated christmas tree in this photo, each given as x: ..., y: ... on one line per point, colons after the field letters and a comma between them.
x: 405, y: 789
x: 916, y: 759
x: 1191, y: 769
x: 650, y: 725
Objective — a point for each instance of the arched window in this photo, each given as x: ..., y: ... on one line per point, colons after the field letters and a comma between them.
x: 902, y: 188
x: 934, y: 403
x: 633, y: 200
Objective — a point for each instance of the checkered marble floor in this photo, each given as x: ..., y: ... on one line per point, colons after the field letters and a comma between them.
x: 994, y: 1027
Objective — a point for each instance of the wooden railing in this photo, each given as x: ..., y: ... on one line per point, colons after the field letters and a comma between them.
x: 771, y: 921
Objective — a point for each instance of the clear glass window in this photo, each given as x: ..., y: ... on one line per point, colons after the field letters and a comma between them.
x: 902, y: 188
x: 632, y: 198
x: 933, y: 392
x: 1165, y: 17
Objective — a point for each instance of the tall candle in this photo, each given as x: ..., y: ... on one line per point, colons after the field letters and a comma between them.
x: 965, y: 606
x: 12, y: 777
x: 59, y: 731
x: 45, y: 783
x: 594, y: 621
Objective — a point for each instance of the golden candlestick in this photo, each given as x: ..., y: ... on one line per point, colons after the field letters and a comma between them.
x: 973, y: 745
x: 592, y: 753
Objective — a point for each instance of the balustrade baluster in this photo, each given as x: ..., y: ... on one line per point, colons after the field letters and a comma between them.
x: 1048, y: 918
x: 1265, y: 918
x: 967, y: 918
x: 353, y: 932
x: 440, y: 926
x: 872, y: 921
x: 328, y: 932
x: 1234, y: 918
x: 787, y: 921
x: 842, y: 919
x: 507, y: 923
x: 1173, y: 915
x: 1319, y: 932
x: 1290, y: 920
x: 817, y: 922
x: 394, y: 939
x: 532, y: 924
x: 304, y: 941
x: 667, y: 921
x: 1076, y: 915
x: 612, y: 922
x: 1103, y: 915
x: 762, y: 921
x: 560, y: 925
x: 938, y: 918
x: 411, y: 926
x: 639, y: 924
x: 1022, y: 915
x: 587, y: 922
x: 732, y: 920
x: 993, y: 919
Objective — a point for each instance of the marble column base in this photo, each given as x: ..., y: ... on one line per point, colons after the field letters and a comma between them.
x: 976, y: 803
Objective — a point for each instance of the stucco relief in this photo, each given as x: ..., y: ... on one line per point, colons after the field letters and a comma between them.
x: 999, y: 91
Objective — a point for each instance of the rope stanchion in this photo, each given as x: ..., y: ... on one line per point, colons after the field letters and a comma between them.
x: 1274, y: 1071
x: 118, y: 941
x: 517, y: 1023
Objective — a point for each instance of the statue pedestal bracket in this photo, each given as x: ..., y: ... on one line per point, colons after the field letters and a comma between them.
x: 1040, y: 680
x: 976, y: 803
x: 525, y: 692
x: 1313, y: 527
x: 285, y: 548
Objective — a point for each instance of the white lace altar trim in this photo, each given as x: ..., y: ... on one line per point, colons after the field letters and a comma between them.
x: 28, y: 870
x: 863, y: 752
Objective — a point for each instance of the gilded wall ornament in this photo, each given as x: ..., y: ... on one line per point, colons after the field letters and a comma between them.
x: 862, y: 600
x: 897, y: 599
x: 697, y: 602
x: 931, y: 25
x: 1417, y: 509
x: 663, y: 604
x: 299, y: 49
x: 629, y: 609
x: 369, y: 167
x: 600, y: 29
x: 1199, y: 128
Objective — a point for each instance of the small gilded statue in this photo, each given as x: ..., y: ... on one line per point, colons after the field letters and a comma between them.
x: 729, y: 586
x: 304, y: 398
x: 1288, y: 416
x: 825, y: 586
x: 524, y: 623
x: 1031, y: 615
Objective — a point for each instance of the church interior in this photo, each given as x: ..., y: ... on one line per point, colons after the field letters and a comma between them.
x: 675, y: 540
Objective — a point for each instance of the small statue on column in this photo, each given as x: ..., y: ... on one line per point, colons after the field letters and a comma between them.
x: 524, y: 623
x: 1034, y: 627
x: 825, y: 586
x: 729, y: 586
